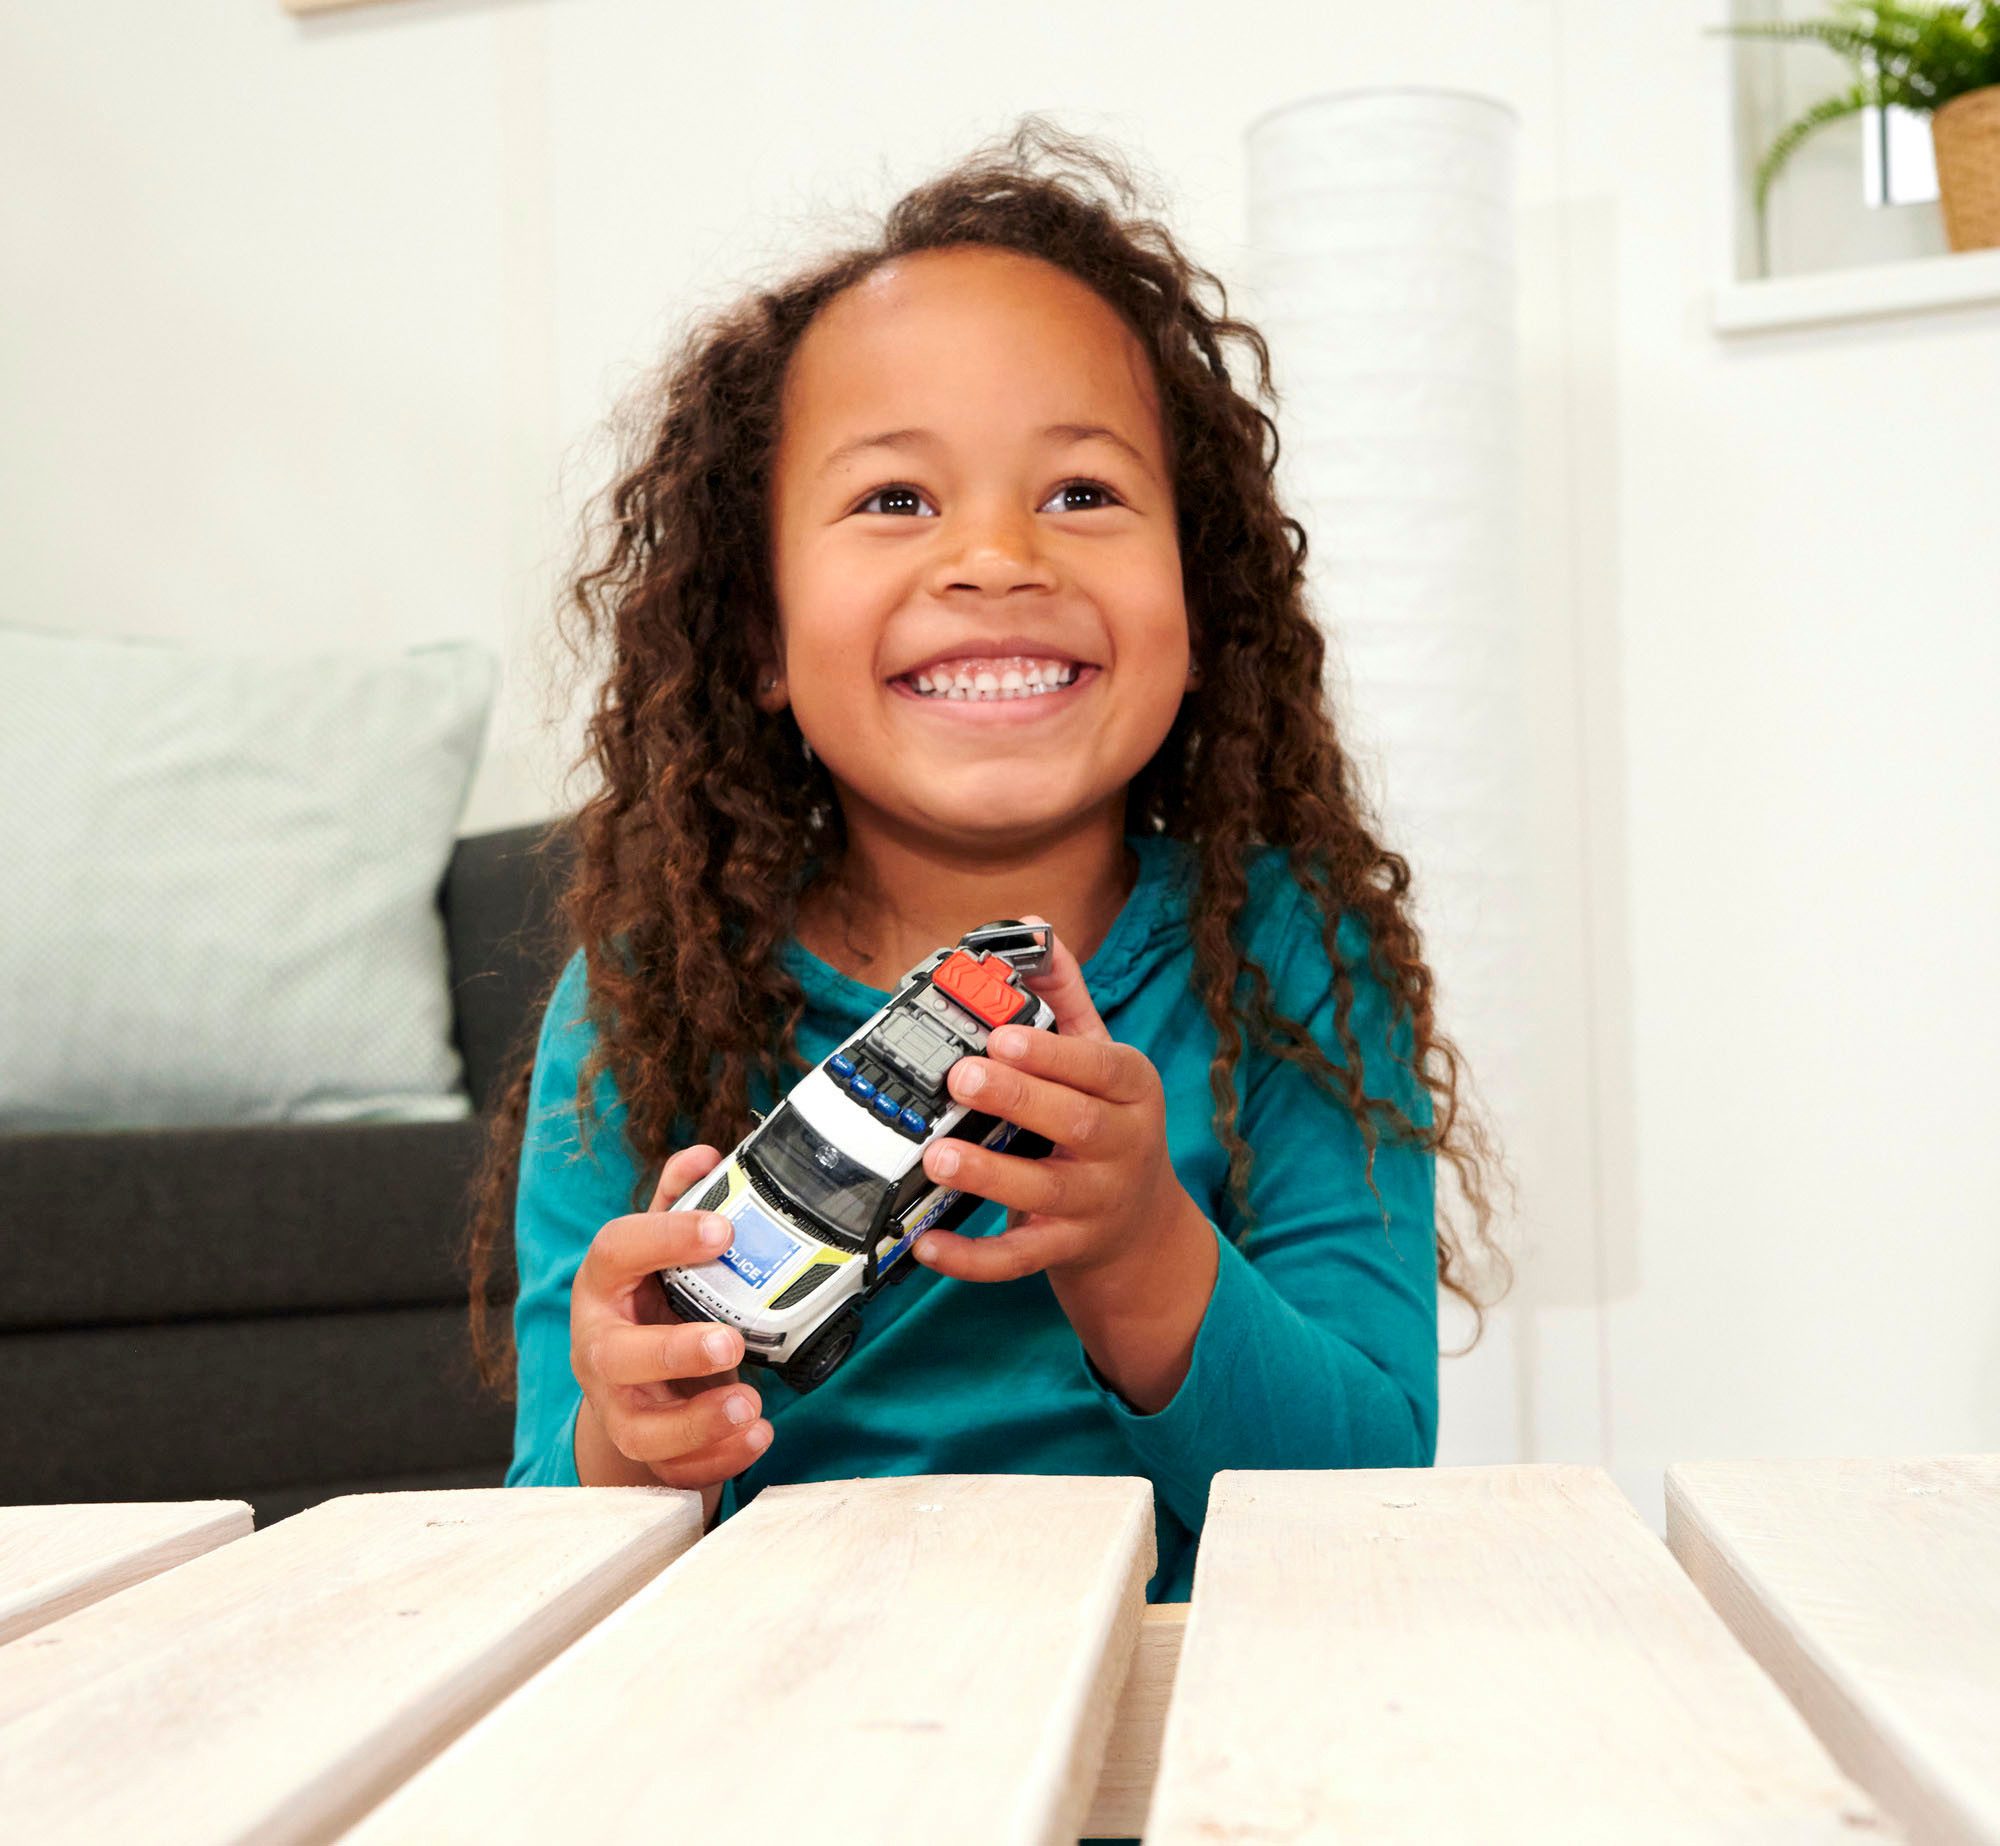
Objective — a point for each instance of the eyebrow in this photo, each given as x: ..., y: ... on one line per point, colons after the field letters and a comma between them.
x: 925, y: 438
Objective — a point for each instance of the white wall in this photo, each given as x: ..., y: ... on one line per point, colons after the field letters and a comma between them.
x: 1790, y: 542
x: 310, y: 327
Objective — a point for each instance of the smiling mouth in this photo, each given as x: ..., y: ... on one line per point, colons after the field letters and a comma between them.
x: 992, y: 682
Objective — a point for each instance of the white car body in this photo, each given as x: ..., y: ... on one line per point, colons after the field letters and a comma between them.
x: 785, y: 1274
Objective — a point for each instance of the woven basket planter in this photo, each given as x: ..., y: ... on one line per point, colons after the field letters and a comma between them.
x: 1966, y: 136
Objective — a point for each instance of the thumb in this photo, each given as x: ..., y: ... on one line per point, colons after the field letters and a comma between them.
x: 681, y: 1171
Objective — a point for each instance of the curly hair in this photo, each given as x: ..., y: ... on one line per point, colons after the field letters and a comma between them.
x: 686, y: 859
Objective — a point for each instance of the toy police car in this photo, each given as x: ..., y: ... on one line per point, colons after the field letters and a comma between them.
x: 828, y: 1193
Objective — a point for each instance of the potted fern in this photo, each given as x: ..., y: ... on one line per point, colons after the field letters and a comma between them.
x: 1941, y: 61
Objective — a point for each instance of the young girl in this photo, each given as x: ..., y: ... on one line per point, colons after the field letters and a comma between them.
x: 949, y: 584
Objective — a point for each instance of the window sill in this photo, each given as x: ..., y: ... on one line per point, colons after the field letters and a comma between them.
x: 1878, y: 291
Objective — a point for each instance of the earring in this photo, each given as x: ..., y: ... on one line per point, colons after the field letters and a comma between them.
x: 767, y: 682
x: 807, y: 746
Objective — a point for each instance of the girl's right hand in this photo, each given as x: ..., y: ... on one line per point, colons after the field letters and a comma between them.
x: 665, y: 1391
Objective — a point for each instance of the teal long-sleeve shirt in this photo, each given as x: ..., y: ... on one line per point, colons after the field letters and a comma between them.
x: 1318, y: 1346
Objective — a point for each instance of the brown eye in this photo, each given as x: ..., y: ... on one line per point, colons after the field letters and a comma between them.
x: 1108, y: 498
x: 897, y: 491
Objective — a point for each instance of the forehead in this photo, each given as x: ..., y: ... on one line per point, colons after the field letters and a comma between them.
x: 967, y: 337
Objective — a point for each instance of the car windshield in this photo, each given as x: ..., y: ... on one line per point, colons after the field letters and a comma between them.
x: 809, y: 1168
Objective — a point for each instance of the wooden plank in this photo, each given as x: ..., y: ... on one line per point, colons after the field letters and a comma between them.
x: 57, y: 1558
x: 280, y: 1686
x: 1132, y: 1754
x: 1869, y: 1589
x: 1499, y: 1654
x: 912, y: 1658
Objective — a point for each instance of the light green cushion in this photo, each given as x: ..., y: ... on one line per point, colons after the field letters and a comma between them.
x: 218, y: 880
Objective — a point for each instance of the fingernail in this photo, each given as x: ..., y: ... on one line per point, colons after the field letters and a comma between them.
x: 715, y: 1232
x: 717, y: 1346
x: 923, y: 1247
x: 1008, y: 1042
x: 970, y: 1078
x: 738, y: 1410
x: 944, y: 1161
x: 759, y: 1436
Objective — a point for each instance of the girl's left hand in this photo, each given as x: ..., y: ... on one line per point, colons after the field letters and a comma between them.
x: 1107, y: 1183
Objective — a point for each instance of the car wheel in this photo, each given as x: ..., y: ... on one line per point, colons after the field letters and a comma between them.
x: 821, y: 1356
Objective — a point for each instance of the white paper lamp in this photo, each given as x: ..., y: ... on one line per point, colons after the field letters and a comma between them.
x: 1382, y: 254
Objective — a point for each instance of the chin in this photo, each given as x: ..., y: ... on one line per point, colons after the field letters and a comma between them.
x: 996, y: 809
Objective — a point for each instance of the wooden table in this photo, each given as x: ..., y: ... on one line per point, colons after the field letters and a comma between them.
x: 1424, y: 1655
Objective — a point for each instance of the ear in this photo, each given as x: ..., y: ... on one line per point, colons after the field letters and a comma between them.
x: 770, y: 693
x: 765, y: 643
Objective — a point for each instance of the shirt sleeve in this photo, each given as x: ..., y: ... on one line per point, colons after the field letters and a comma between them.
x: 1318, y: 1348
x: 564, y: 1198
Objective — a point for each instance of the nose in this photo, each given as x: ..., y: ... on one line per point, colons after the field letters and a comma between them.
x: 991, y: 547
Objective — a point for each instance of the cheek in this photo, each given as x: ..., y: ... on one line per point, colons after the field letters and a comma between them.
x: 1152, y: 632
x: 833, y: 647
x: 825, y: 583
x: 1155, y: 703
x: 832, y: 631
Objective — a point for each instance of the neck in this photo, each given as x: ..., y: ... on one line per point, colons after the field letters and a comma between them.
x: 896, y: 894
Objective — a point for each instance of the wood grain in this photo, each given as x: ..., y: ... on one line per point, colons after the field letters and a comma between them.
x: 1499, y: 1654
x: 1869, y: 1589
x: 1132, y: 1754
x: 276, y: 1688
x: 54, y: 1559
x: 903, y: 1659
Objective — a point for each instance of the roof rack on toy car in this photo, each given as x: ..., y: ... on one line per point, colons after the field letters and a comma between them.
x: 1026, y: 946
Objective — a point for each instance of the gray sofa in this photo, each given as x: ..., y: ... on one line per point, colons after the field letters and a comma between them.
x: 273, y: 1314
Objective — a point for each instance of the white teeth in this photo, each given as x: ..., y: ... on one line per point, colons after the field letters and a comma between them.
x: 1023, y: 682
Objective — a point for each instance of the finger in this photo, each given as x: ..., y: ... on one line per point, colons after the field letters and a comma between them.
x: 1006, y: 1258
x: 1102, y: 1066
x: 651, y: 1433
x: 681, y: 1171
x: 1061, y: 985
x: 626, y: 1355
x: 1052, y: 1188
x: 719, y: 1461
x: 1082, y: 1124
x: 630, y: 1248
